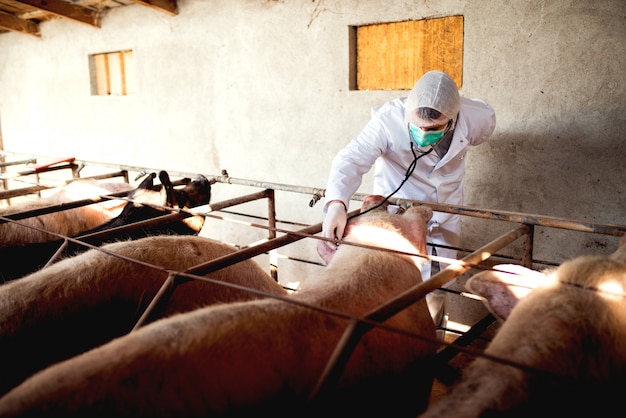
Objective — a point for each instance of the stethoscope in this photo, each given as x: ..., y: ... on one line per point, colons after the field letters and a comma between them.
x: 409, y: 171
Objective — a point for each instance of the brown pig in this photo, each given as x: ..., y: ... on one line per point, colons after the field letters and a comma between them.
x: 265, y: 356
x: 87, y: 300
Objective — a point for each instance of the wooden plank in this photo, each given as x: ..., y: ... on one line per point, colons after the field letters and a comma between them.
x: 66, y: 10
x: 116, y: 74
x: 167, y: 6
x: 102, y: 75
x: 14, y: 24
x: 393, y: 56
x: 13, y: 7
x: 130, y: 79
x: 122, y: 56
x: 28, y: 12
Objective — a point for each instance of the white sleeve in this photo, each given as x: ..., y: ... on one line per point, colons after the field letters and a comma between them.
x: 477, y: 119
x: 353, y: 161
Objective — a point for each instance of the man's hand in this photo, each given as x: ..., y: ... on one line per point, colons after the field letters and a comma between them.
x: 334, y: 223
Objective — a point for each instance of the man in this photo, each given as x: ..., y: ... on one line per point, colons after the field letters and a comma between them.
x: 418, y: 145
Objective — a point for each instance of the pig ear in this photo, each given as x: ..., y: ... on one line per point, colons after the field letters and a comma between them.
x: 167, y: 191
x: 427, y: 213
x: 140, y: 191
x: 504, y: 286
x: 146, y: 184
x: 325, y: 252
x: 620, y: 253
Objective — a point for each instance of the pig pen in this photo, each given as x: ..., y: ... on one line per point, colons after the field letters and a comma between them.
x: 469, y: 326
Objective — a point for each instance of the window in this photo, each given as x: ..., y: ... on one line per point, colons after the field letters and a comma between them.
x: 112, y: 73
x: 393, y: 56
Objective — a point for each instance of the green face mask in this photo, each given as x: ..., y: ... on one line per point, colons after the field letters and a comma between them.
x: 424, y: 139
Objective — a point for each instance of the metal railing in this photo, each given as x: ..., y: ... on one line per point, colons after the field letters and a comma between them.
x: 524, y: 229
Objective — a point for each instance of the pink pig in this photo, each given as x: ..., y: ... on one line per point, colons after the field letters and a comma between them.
x: 567, y: 326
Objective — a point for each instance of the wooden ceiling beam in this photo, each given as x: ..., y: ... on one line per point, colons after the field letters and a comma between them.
x: 66, y: 10
x: 15, y: 24
x: 168, y: 6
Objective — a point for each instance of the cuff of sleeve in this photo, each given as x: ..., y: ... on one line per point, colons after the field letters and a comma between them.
x: 327, y: 205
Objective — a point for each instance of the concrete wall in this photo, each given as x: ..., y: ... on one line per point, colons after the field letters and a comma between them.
x: 260, y: 88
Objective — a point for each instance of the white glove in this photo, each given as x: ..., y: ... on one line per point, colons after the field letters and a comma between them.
x: 334, y: 223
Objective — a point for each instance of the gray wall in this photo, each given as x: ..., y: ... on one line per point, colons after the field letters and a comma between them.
x: 260, y: 88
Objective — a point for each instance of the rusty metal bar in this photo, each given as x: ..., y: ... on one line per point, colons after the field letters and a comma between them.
x: 10, y: 175
x: 75, y: 204
x: 230, y: 259
x: 444, y: 371
x: 121, y: 173
x: 356, y: 329
x: 5, y: 183
x: 317, y: 193
x: 241, y: 199
x: 22, y: 191
x: 446, y: 275
x: 527, y: 248
x: 58, y: 253
x: 252, y: 251
x: 157, y: 221
x: 19, y: 162
x: 516, y: 217
x: 233, y: 258
x: 508, y: 216
x: 165, y: 289
x: 170, y: 284
x: 271, y: 220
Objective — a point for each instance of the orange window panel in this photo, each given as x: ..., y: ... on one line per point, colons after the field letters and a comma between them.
x: 393, y: 56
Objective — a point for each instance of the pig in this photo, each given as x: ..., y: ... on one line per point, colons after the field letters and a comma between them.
x: 18, y: 261
x: 85, y: 301
x: 66, y: 222
x: 265, y: 356
x: 194, y: 193
x: 563, y: 342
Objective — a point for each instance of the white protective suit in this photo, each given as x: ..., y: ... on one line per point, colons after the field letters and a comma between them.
x: 385, y: 142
